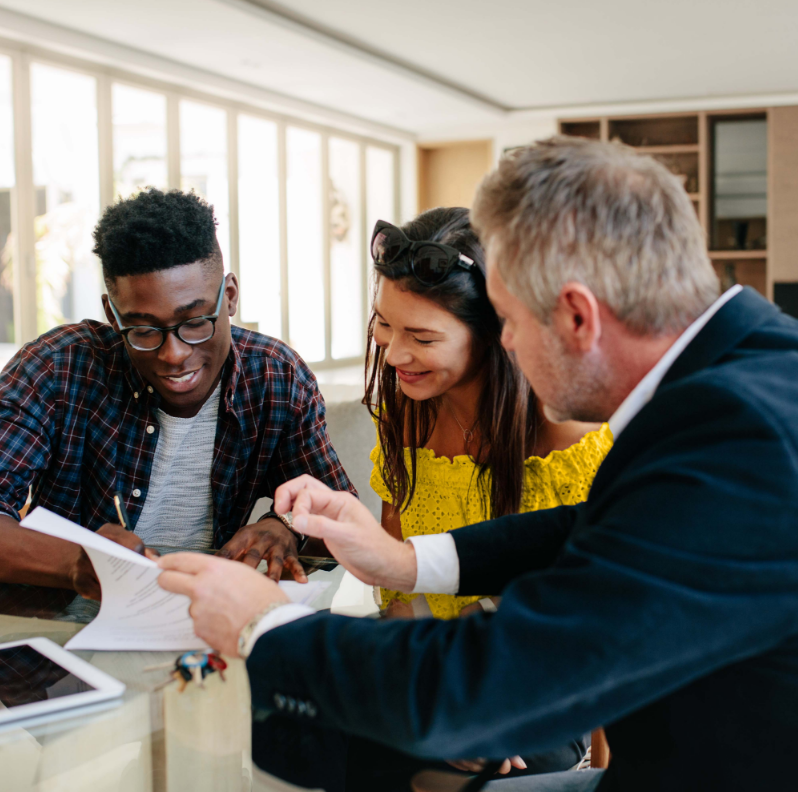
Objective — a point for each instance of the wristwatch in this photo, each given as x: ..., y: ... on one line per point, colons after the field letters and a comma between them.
x: 249, y: 627
x: 288, y: 522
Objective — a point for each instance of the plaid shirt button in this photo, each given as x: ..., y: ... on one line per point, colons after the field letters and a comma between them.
x: 136, y: 493
x: 149, y: 388
x: 136, y: 395
x: 150, y: 429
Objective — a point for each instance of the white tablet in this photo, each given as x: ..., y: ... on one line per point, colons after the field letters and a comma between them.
x: 38, y: 679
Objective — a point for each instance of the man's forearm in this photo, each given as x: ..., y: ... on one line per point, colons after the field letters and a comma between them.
x: 31, y: 557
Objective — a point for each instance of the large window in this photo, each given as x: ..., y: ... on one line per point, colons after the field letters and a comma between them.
x: 294, y: 201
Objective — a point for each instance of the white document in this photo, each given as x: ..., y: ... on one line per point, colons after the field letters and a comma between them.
x: 303, y: 593
x: 135, y: 613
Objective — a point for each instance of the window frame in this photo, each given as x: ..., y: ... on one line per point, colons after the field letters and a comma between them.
x: 22, y: 56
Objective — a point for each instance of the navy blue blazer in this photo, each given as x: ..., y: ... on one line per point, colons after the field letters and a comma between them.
x: 665, y: 608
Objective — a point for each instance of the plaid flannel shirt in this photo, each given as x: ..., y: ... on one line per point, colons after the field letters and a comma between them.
x: 78, y: 422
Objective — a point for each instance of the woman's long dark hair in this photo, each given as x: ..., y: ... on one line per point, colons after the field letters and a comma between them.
x: 506, y: 416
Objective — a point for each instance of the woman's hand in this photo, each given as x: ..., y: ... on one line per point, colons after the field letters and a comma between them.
x: 398, y: 610
x: 477, y: 607
x: 350, y: 532
x: 477, y: 765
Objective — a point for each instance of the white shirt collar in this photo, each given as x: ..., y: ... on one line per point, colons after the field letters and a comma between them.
x: 645, y: 389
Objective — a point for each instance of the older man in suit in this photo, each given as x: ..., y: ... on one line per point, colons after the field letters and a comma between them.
x: 665, y: 607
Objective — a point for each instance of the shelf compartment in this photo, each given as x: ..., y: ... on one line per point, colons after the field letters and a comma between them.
x: 585, y: 129
x: 745, y: 271
x: 660, y: 131
x: 685, y: 166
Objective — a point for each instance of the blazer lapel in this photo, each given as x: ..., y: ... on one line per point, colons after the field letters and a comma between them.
x: 724, y: 331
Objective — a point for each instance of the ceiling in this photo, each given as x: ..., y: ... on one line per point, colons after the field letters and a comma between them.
x: 422, y: 64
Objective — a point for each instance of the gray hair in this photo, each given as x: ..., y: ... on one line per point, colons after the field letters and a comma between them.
x: 568, y: 209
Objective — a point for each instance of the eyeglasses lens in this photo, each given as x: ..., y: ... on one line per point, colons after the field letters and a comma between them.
x: 431, y: 264
x: 196, y: 332
x: 145, y: 339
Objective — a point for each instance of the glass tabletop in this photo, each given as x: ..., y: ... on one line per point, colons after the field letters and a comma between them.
x: 154, y: 738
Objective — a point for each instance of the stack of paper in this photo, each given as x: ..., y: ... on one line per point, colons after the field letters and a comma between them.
x: 136, y: 613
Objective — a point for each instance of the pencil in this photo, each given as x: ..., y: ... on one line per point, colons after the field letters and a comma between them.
x: 124, y: 520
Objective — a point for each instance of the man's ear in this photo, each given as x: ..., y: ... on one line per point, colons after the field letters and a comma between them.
x: 231, y: 292
x: 109, y: 314
x: 577, y: 318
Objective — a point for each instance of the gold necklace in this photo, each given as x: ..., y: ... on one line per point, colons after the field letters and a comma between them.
x: 468, y: 434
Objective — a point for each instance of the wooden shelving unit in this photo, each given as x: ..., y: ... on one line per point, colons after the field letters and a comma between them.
x: 682, y: 142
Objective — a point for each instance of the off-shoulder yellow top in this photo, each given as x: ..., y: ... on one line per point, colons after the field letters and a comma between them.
x: 447, y: 496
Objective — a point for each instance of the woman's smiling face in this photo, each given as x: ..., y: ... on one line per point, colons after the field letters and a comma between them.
x: 431, y: 350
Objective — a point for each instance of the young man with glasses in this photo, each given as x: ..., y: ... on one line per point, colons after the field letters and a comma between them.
x: 189, y: 418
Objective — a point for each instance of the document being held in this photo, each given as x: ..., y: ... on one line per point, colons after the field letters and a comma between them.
x: 135, y: 613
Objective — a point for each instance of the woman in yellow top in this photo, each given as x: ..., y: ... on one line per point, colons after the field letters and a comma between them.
x: 460, y: 438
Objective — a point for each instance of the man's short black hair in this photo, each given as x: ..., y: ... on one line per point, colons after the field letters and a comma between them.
x: 153, y: 231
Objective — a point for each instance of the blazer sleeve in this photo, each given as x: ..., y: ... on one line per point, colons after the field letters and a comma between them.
x: 686, y: 562
x: 494, y: 553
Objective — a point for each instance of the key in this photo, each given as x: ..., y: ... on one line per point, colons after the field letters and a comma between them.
x: 196, y: 672
x: 175, y: 675
x: 159, y: 666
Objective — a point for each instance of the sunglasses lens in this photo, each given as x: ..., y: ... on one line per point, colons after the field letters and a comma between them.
x: 431, y: 264
x: 387, y: 245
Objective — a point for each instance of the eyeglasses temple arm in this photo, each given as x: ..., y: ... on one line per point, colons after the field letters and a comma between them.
x: 116, y: 314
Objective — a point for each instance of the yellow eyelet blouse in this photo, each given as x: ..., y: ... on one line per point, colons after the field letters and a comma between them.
x: 447, y: 496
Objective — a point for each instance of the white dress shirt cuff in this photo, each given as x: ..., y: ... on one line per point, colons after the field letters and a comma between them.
x: 437, y: 564
x: 276, y: 618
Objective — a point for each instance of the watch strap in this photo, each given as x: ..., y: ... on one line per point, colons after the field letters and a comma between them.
x: 285, y: 519
x: 249, y: 627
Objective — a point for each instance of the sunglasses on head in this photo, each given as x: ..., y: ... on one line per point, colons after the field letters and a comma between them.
x: 429, y: 262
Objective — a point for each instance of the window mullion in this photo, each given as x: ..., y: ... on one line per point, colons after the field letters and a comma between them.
x: 105, y: 141
x: 232, y: 185
x: 365, y: 237
x: 397, y: 187
x: 326, y: 242
x: 282, y: 178
x: 24, y: 205
x: 173, y: 141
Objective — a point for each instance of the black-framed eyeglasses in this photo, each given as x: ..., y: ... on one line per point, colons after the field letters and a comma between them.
x: 192, y: 331
x: 430, y: 262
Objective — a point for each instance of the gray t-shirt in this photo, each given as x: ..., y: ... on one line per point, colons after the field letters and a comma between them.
x: 178, y: 511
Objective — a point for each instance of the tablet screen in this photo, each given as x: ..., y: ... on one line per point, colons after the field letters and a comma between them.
x: 27, y: 676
